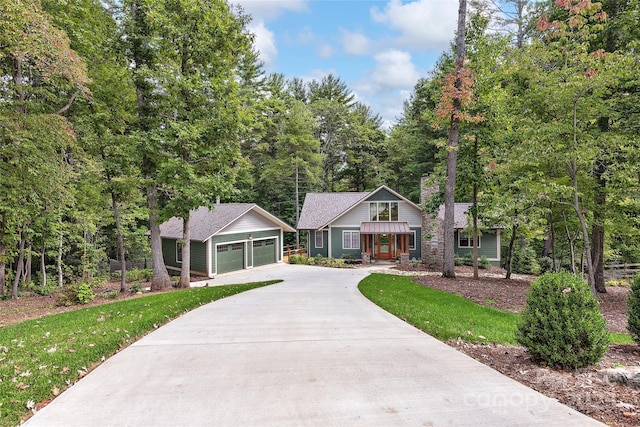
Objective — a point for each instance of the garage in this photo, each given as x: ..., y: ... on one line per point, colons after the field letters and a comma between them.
x: 230, y: 257
x: 264, y: 252
x: 224, y: 238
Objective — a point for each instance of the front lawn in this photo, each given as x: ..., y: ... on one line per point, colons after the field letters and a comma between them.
x: 40, y: 358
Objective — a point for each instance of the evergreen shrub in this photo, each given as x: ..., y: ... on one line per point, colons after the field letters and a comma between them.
x: 634, y: 309
x: 561, y: 325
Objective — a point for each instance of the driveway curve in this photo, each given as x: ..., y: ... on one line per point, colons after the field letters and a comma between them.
x: 310, y: 351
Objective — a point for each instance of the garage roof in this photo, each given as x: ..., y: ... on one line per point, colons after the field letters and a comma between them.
x: 206, y: 223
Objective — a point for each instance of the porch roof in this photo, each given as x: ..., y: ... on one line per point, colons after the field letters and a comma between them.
x: 385, y: 227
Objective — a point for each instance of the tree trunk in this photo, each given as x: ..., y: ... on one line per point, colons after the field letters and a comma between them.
x: 597, y: 229
x: 43, y: 268
x: 585, y: 234
x: 160, y: 280
x: 185, y: 273
x: 120, y: 239
x: 3, y: 263
x: 59, y: 262
x: 448, y: 264
x: 19, y: 267
x: 27, y: 265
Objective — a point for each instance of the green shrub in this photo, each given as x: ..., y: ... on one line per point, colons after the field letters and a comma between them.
x: 458, y: 260
x: 484, y: 263
x: 524, y: 261
x: 634, y: 309
x: 467, y: 259
x: 297, y: 259
x: 561, y: 325
x: 546, y: 264
x: 136, y: 274
x: 136, y: 287
x: 79, y: 293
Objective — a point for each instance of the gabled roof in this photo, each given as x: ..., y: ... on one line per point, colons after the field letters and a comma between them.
x: 321, y: 209
x: 205, y: 223
x: 460, y: 215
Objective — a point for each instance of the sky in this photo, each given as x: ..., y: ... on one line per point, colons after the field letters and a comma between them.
x: 379, y: 49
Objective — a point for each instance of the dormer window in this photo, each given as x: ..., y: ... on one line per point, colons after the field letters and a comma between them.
x: 383, y: 211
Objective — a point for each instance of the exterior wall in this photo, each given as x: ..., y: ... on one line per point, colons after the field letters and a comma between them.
x: 311, y: 243
x: 338, y: 252
x: 383, y: 196
x: 198, y: 256
x: 249, y: 223
x: 489, y: 247
x: 360, y: 213
x: 243, y: 237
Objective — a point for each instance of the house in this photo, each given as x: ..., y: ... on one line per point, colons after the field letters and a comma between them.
x: 380, y: 224
x: 232, y: 236
x: 433, y: 244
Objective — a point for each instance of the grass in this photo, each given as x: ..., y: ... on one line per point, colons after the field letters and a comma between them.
x: 40, y: 358
x: 444, y: 315
x: 438, y: 313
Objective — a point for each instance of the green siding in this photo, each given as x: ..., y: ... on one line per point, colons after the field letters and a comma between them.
x: 198, y: 255
x: 382, y: 195
x: 488, y: 246
x: 336, y: 243
x: 338, y: 252
x: 324, y: 250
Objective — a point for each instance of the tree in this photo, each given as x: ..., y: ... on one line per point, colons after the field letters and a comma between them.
x: 44, y: 76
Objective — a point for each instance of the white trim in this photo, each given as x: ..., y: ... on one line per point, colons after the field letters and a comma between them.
x: 209, y: 260
x: 415, y: 234
x: 351, y: 238
x: 349, y: 209
x: 178, y: 251
x: 470, y: 238
x: 315, y: 239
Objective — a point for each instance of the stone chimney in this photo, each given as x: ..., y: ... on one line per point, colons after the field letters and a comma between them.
x: 432, y: 227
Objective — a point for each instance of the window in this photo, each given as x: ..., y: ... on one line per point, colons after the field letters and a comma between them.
x: 222, y: 248
x: 394, y: 211
x: 350, y: 240
x: 257, y: 243
x: 412, y: 241
x: 383, y: 211
x: 319, y: 239
x: 178, y: 251
x: 237, y: 246
x: 270, y: 243
x: 465, y: 240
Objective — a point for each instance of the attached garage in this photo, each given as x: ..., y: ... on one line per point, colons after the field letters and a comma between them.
x: 229, y: 237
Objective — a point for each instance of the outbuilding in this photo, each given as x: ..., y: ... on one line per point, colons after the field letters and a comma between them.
x: 232, y: 236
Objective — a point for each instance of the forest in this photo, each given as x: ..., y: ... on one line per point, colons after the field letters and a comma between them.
x: 116, y: 115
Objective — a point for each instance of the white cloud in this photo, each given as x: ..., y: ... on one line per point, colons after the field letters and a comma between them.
x: 355, y: 43
x: 265, y: 43
x: 422, y: 23
x: 325, y: 51
x: 394, y: 70
x: 265, y: 10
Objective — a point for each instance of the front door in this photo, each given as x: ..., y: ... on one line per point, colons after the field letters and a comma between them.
x: 384, y: 246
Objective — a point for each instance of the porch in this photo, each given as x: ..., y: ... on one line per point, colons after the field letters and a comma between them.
x: 385, y: 240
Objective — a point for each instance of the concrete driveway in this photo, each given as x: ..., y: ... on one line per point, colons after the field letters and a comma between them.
x: 311, y: 351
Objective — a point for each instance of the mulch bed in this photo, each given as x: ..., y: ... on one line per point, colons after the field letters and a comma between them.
x: 584, y: 390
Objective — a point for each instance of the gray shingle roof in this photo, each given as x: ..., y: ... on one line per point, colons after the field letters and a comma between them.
x: 205, y: 223
x: 319, y: 209
x: 459, y: 214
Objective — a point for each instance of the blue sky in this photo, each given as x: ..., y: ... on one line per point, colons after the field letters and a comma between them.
x: 378, y: 48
